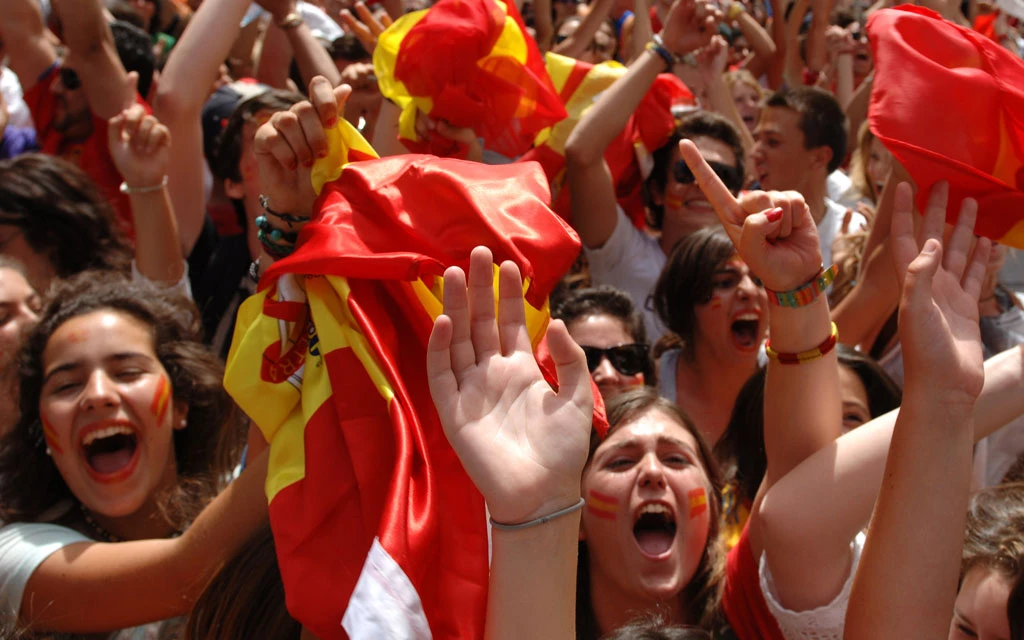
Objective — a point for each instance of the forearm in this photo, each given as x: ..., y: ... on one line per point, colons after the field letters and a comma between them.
x: 158, y: 253
x: 543, y: 24
x: 817, y: 51
x: 275, y: 59
x: 87, y: 33
x: 604, y: 121
x: 577, y: 43
x: 532, y: 588
x: 385, y: 131
x: 310, y: 56
x: 643, y: 31
x: 760, y: 41
x: 844, y: 79
x: 720, y: 100
x: 907, y: 579
x: 133, y: 583
x: 857, y: 107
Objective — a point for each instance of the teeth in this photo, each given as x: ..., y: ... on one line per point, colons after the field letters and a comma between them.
x: 654, y: 508
x: 105, y: 433
x: 748, y: 316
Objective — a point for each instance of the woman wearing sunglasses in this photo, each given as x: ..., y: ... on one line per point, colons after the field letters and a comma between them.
x: 716, y: 311
x: 605, y: 322
x: 619, y: 254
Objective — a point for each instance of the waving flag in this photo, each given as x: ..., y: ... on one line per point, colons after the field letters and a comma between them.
x: 471, y: 63
x: 949, y: 104
x: 379, y: 532
x: 629, y: 155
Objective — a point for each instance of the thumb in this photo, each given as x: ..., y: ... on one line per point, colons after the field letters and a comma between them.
x: 918, y: 284
x: 131, y: 83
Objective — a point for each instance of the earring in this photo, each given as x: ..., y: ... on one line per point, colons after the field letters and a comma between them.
x: 48, y: 452
x: 183, y: 423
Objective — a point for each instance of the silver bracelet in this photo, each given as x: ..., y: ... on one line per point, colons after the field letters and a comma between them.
x: 538, y: 521
x: 135, y: 190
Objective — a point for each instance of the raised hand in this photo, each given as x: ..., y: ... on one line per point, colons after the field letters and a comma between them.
x: 427, y: 127
x: 278, y: 9
x: 366, y: 28
x: 139, y: 146
x: 713, y: 58
x: 290, y: 142
x: 773, y: 231
x: 938, y: 318
x: 689, y: 25
x: 523, y: 445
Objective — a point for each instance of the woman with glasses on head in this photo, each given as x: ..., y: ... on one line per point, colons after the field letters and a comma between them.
x: 605, y: 322
x: 716, y: 312
x: 620, y: 254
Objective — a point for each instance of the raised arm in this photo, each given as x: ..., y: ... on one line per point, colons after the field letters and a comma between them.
x: 689, y: 26
x: 140, y: 148
x: 577, y: 43
x: 25, y: 40
x: 907, y: 579
x: 761, y: 44
x: 132, y: 583
x: 523, y: 445
x: 810, y: 517
x: 95, y: 58
x: 290, y: 37
x: 711, y: 61
x: 183, y: 90
x: 817, y: 51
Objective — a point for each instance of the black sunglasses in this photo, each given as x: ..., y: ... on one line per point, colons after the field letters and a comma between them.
x: 69, y: 78
x: 728, y: 174
x: 628, y: 359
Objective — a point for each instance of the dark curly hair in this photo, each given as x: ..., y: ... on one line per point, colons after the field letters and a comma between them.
x: 61, y: 214
x: 694, y: 125
x: 205, y: 451
x: 685, y: 282
x: 702, y: 595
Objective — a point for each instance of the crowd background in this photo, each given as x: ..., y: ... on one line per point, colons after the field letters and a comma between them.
x: 574, y: 260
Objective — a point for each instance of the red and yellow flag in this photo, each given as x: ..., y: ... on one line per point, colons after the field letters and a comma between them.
x: 948, y: 103
x: 379, y: 532
x: 471, y: 63
x: 629, y: 155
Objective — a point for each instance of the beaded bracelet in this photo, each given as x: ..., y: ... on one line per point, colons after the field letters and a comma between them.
x: 805, y: 356
x: 665, y: 54
x: 538, y: 521
x: 806, y: 293
x: 288, y: 218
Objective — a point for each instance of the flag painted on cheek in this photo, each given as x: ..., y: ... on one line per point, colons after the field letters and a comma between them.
x: 52, y: 439
x: 947, y: 102
x: 698, y: 499
x: 602, y: 505
x: 161, y: 400
x: 716, y: 301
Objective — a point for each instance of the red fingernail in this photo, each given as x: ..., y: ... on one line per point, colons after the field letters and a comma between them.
x: 774, y: 214
x: 332, y: 122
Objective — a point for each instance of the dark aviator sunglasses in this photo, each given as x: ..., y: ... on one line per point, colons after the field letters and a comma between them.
x: 728, y: 174
x: 628, y: 359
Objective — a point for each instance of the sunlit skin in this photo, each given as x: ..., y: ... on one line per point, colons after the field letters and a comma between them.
x: 19, y: 311
x: 734, y: 295
x: 780, y: 161
x: 980, y: 609
x: 686, y: 208
x: 101, y: 372
x: 856, y: 408
x: 603, y: 331
x: 748, y: 103
x: 38, y: 268
x: 652, y: 460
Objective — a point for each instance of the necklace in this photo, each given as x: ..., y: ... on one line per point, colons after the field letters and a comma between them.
x: 103, y: 534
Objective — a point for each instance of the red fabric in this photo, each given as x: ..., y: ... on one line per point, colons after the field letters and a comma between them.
x: 742, y: 600
x: 489, y: 98
x: 91, y: 154
x: 390, y: 473
x: 948, y: 103
x: 986, y: 25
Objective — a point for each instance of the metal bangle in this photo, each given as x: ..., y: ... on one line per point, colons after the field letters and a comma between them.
x: 538, y: 521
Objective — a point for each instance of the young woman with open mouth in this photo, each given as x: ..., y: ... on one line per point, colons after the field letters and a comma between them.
x: 716, y: 311
x: 125, y: 433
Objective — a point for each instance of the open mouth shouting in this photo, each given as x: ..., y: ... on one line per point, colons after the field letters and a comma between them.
x: 745, y: 329
x: 654, y: 529
x: 110, y: 450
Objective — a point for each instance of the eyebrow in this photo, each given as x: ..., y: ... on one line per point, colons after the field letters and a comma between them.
x: 633, y: 442
x: 71, y: 366
x: 962, y: 617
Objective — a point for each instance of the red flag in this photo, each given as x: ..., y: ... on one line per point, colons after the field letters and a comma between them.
x: 949, y: 104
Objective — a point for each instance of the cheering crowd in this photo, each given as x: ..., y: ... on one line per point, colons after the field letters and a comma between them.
x: 631, y: 319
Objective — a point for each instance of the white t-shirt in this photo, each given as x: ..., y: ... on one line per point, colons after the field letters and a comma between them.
x: 23, y: 547
x: 630, y: 260
x: 830, y: 227
x: 839, y: 188
x: 17, y: 110
x: 823, y: 623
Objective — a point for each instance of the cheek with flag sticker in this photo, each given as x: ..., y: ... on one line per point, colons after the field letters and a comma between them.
x: 379, y: 532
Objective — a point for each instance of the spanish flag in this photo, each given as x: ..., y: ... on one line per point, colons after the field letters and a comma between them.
x: 379, y: 531
x: 948, y: 103
x: 628, y: 156
x: 471, y: 63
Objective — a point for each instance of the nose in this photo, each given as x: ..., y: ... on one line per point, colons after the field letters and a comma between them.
x: 100, y: 392
x: 604, y: 371
x: 747, y: 288
x: 652, y: 473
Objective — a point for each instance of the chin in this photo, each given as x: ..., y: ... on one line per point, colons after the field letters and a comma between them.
x: 662, y: 587
x: 116, y: 506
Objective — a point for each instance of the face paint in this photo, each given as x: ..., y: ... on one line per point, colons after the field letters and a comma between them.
x: 672, y: 202
x: 716, y: 301
x: 602, y: 505
x: 698, y: 501
x: 161, y: 400
x: 51, y: 436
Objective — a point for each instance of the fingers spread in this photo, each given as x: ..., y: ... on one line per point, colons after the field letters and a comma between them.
x: 571, y: 366
x: 904, y: 246
x: 974, y: 278
x: 715, y: 191
x: 456, y: 307
x: 959, y: 245
x: 481, y: 304
x: 917, y: 286
x: 444, y: 386
x: 935, y: 213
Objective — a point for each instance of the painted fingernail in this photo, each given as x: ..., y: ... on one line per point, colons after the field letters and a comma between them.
x: 321, y: 155
x: 333, y: 121
x: 774, y: 214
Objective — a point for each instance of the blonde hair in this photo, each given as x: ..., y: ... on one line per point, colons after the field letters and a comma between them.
x: 859, y: 162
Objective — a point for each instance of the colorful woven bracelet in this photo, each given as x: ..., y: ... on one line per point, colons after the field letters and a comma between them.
x: 806, y: 293
x: 805, y: 356
x: 665, y: 54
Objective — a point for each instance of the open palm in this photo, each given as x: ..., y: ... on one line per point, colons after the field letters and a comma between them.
x: 523, y: 444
